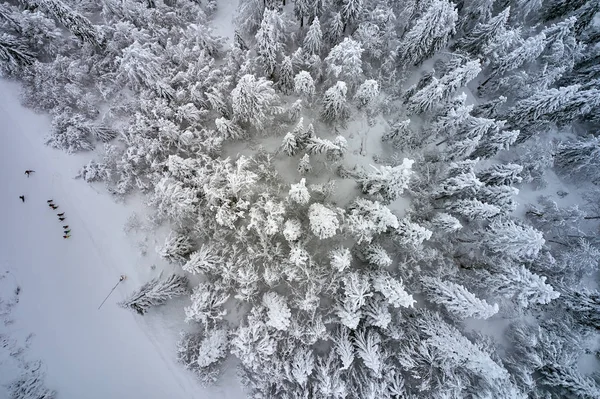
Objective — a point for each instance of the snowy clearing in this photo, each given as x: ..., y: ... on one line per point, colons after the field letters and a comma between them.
x: 88, y: 353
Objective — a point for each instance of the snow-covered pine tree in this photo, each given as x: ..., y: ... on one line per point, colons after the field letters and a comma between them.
x: 387, y: 181
x: 457, y: 299
x: 253, y: 100
x: 378, y: 256
x: 204, y: 352
x: 506, y: 238
x: 501, y: 174
x: 367, y: 92
x: 278, y: 312
x: 527, y: 52
x: 304, y: 85
x: 76, y: 23
x: 304, y: 166
x: 302, y: 10
x: 205, y: 260
x: 474, y: 209
x: 579, y: 158
x: 344, y: 62
x: 340, y: 258
x: 350, y: 11
x: 176, y: 248
x: 156, y: 292
x: 569, y: 381
x: 484, y: 33
x: 323, y: 221
x: 314, y: 38
x: 430, y: 32
x: 392, y: 290
x: 290, y: 144
x: 207, y: 307
x: 267, y: 44
x: 299, y: 193
x: 286, y: 75
x: 335, y: 107
x: 366, y: 218
x: 439, y: 90
x: 14, y: 53
x: 519, y: 284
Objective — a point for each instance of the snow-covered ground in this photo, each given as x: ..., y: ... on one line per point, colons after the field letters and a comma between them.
x: 88, y: 353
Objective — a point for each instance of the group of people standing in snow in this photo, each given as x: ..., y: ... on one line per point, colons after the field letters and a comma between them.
x: 51, y: 204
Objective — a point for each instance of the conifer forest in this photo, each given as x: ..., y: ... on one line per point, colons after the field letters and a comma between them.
x: 365, y: 199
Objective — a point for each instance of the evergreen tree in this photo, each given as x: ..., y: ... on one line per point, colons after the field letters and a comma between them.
x: 323, y: 221
x: 568, y: 381
x: 156, y: 292
x: 580, y: 158
x: 304, y: 85
x: 204, y: 353
x: 267, y: 44
x: 344, y: 62
x: 367, y: 92
x: 290, y: 144
x: 286, y: 75
x: 389, y: 182
x: 513, y: 241
x: 14, y: 54
x: 441, y: 89
x: 76, y: 23
x: 335, y: 30
x: 304, y: 165
x: 314, y: 38
x: 430, y: 32
x: 302, y: 10
x: 484, y: 33
x: 207, y: 307
x: 335, y: 107
x: 457, y: 299
x: 253, y: 100
x: 350, y: 11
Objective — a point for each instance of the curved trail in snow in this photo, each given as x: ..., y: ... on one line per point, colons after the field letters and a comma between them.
x: 111, y: 353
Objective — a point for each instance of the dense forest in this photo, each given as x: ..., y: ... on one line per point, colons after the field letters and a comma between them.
x: 368, y: 199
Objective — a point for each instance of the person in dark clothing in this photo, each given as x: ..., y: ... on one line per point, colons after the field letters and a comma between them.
x: 54, y: 207
x: 66, y: 236
x: 22, y: 198
x: 28, y: 172
x: 50, y: 201
x: 66, y: 226
x: 61, y: 214
x: 67, y: 232
x: 61, y: 219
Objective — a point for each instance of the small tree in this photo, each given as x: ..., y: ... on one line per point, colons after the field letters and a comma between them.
x: 323, y: 221
x: 299, y: 193
x: 335, y: 107
x: 278, y: 312
x: 204, y: 353
x: 156, y: 292
x: 208, y: 300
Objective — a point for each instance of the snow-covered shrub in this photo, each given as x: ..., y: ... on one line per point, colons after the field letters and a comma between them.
x: 323, y: 221
x: 278, y: 312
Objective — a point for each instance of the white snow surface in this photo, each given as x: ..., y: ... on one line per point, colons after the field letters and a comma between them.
x: 87, y: 353
x: 222, y: 22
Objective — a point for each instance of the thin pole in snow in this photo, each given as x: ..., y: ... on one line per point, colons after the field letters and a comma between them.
x: 111, y: 291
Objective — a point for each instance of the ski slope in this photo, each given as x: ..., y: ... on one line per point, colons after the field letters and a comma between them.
x: 88, y: 353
